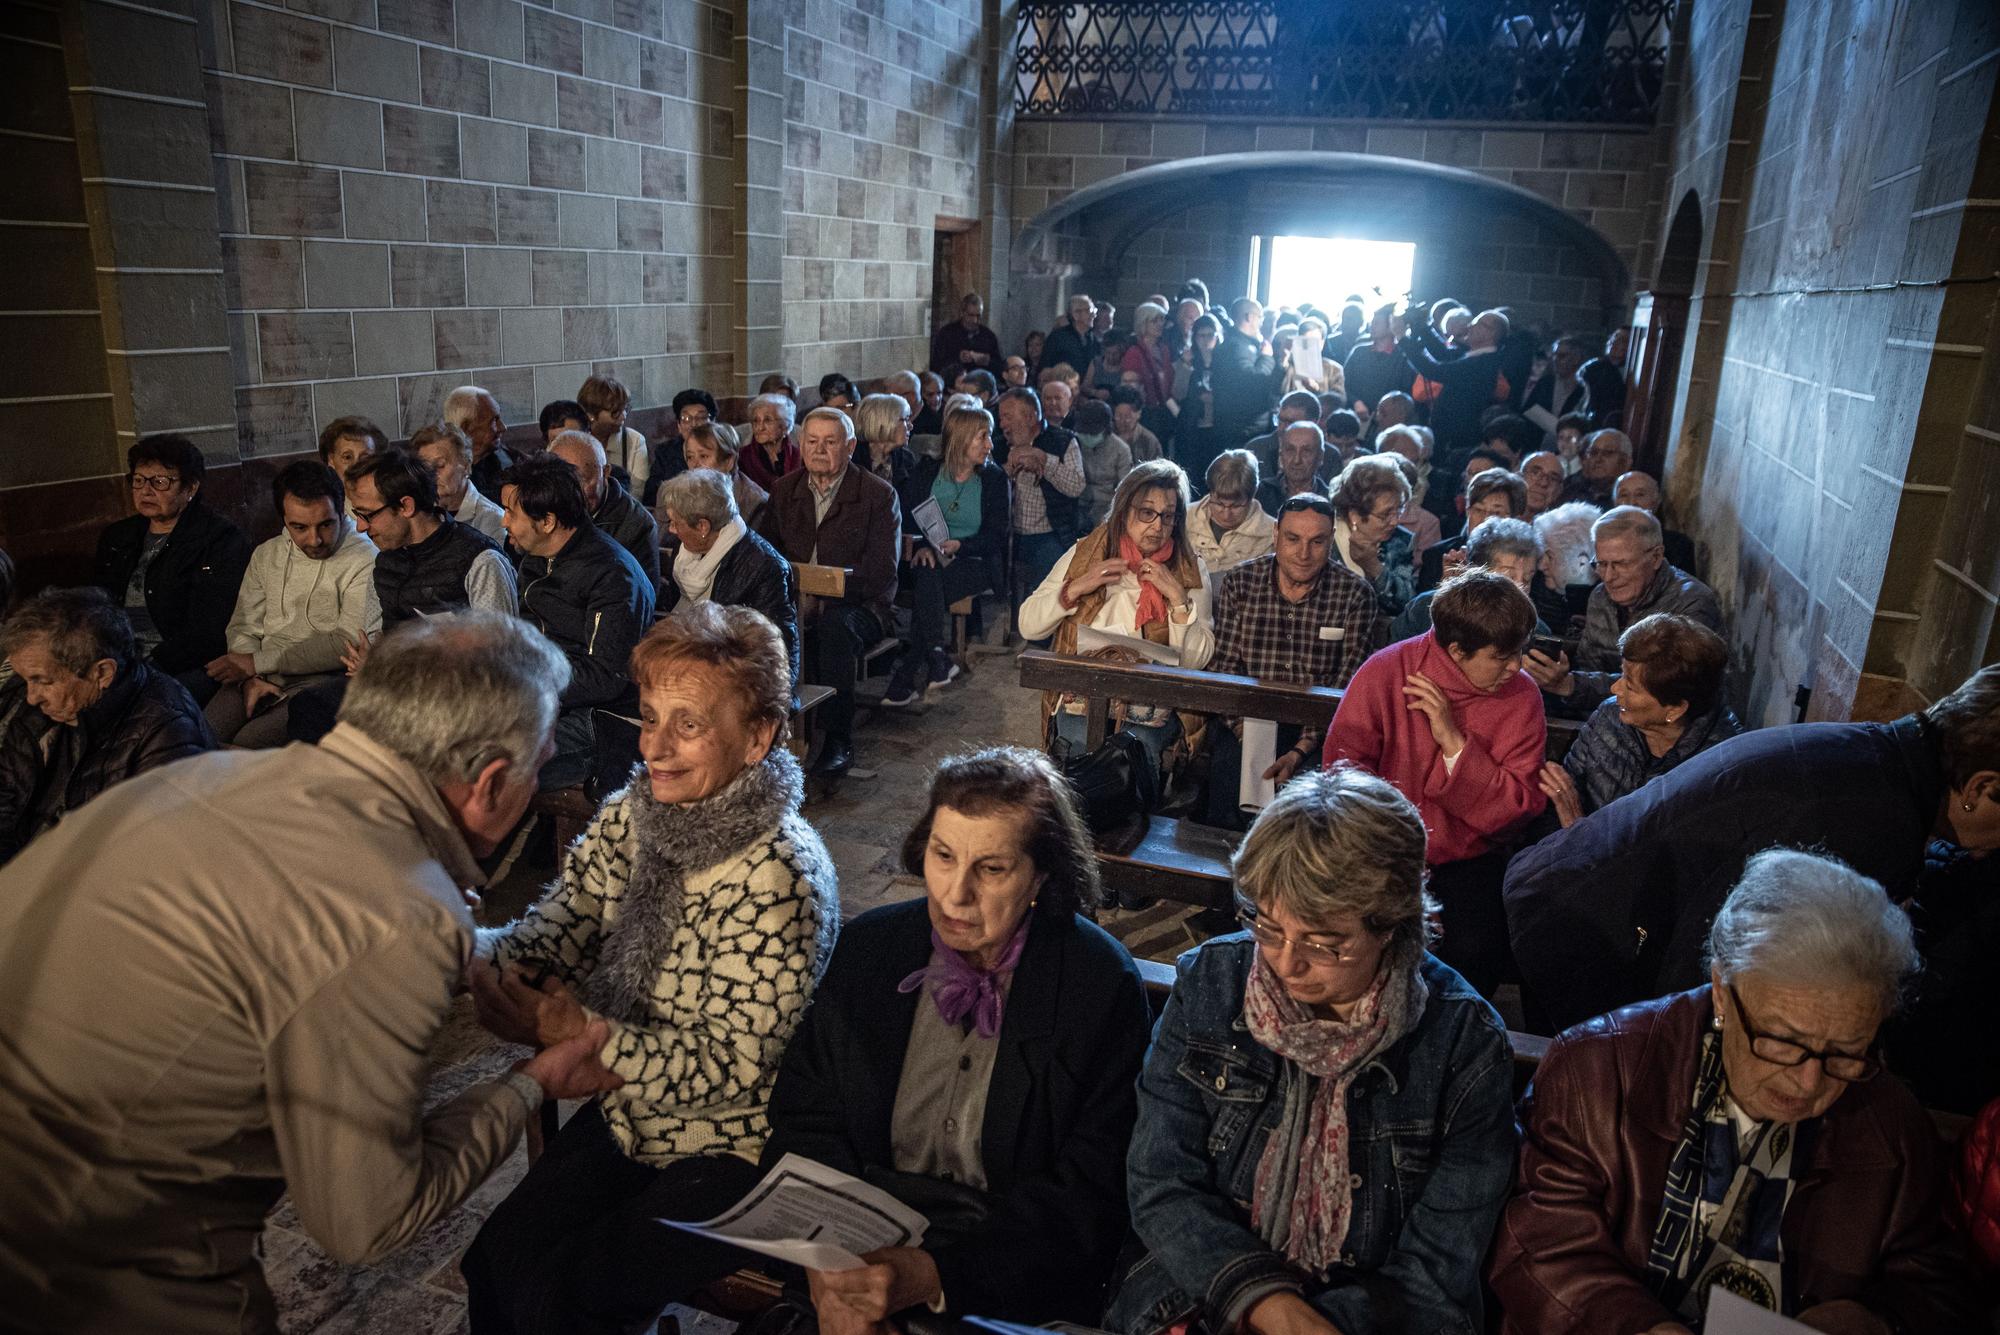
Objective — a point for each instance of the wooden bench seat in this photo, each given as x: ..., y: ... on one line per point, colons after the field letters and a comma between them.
x: 1171, y: 859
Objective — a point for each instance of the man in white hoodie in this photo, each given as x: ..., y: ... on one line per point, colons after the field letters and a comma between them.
x: 307, y: 594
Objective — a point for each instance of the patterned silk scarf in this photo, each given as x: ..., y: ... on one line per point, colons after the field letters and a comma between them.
x: 963, y: 988
x: 1725, y: 1203
x: 1302, y: 1203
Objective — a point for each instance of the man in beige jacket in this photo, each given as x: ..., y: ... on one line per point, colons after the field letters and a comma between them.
x: 218, y: 981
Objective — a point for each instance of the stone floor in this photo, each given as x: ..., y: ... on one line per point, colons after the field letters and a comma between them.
x: 418, y: 1290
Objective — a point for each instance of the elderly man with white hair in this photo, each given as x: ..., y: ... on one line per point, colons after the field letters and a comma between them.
x: 721, y: 560
x: 1635, y: 581
x: 831, y: 513
x: 1643, y: 490
x: 200, y: 1025
x: 475, y: 412
x: 612, y: 509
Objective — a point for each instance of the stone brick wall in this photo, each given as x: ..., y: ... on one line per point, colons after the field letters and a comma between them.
x: 1828, y: 447
x: 417, y: 194
x: 882, y: 137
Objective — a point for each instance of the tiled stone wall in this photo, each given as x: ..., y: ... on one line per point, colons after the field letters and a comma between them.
x: 417, y: 194
x: 1828, y: 448
x: 882, y: 137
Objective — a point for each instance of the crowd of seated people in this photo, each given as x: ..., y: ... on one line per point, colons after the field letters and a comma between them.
x: 1318, y: 1134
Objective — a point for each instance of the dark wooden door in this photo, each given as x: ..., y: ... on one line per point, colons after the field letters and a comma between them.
x: 1652, y: 369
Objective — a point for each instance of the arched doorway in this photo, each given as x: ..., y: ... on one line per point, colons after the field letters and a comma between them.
x: 1094, y: 238
x: 1659, y: 332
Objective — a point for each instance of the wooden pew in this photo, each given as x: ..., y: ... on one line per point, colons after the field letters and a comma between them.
x: 1177, y: 859
x: 830, y: 582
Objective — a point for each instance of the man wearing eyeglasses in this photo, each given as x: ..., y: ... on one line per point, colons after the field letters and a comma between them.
x: 1606, y: 454
x: 175, y: 564
x: 1297, y: 616
x: 1636, y: 580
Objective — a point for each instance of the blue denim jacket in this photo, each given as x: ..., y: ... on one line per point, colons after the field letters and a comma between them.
x: 1431, y: 1136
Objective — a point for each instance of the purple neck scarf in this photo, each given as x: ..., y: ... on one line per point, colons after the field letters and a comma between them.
x: 965, y: 989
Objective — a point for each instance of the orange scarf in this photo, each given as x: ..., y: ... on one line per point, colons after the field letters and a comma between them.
x: 1152, y: 603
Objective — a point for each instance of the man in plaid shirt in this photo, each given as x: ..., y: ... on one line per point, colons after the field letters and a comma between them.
x: 1296, y: 616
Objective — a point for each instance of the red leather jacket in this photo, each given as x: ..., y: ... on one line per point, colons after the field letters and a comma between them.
x: 1977, y: 1186
x: 1867, y: 1221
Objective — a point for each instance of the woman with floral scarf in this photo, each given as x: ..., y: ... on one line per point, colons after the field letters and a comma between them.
x: 1325, y: 1131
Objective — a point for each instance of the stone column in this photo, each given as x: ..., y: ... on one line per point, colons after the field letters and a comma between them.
x: 142, y: 137
x: 759, y: 111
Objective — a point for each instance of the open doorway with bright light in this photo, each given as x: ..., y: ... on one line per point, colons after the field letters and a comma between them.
x: 1325, y: 270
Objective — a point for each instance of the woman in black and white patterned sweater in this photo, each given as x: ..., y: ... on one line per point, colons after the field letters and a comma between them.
x: 696, y: 914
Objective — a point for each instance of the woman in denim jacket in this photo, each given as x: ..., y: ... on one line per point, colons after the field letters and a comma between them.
x: 1325, y: 1134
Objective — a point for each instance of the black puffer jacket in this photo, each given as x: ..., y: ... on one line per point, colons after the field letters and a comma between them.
x: 752, y: 574
x: 594, y: 602
x: 190, y: 587
x: 144, y: 720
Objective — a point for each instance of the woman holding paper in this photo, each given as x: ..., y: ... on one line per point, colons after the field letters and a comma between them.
x: 973, y: 1053
x: 1741, y: 1136
x: 695, y: 915
x: 1326, y: 1129
x: 961, y: 495
x: 1136, y: 576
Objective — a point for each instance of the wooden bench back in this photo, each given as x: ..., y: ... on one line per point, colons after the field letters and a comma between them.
x: 821, y: 581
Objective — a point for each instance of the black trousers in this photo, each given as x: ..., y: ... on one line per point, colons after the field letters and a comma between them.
x: 578, y: 1247
x: 833, y: 649
x: 933, y: 591
x: 1475, y: 920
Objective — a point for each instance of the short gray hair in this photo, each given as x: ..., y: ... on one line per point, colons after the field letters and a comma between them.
x: 831, y: 415
x: 898, y: 380
x: 700, y: 494
x: 1147, y: 310
x: 76, y: 627
x: 1615, y: 436
x: 1233, y: 473
x: 1809, y: 920
x: 451, y: 694
x: 461, y: 404
x: 1338, y: 842
x: 1628, y: 521
x: 1501, y: 537
x: 780, y: 403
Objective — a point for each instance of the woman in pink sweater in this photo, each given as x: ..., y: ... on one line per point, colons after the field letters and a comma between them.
x: 1450, y: 719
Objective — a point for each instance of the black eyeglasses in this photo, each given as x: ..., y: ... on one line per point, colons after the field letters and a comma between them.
x: 1842, y: 1066
x: 1319, y: 505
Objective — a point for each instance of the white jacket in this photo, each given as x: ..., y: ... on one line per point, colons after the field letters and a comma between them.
x: 1246, y: 542
x: 294, y: 615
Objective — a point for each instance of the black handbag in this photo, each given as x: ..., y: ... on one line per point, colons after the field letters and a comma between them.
x: 1115, y: 785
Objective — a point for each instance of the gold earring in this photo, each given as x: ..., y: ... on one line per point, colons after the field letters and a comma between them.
x: 1966, y: 806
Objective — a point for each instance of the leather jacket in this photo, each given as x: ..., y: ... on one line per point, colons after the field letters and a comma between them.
x: 1866, y: 1221
x: 143, y: 720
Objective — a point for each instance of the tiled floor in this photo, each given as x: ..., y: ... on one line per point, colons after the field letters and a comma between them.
x: 418, y: 1290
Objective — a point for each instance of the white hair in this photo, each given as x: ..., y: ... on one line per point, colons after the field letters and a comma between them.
x: 1628, y: 521
x: 831, y: 415
x: 1147, y: 310
x: 1813, y: 921
x: 461, y: 406
x: 1567, y: 549
x: 700, y: 494
x: 453, y: 693
x: 899, y: 380
x: 786, y: 409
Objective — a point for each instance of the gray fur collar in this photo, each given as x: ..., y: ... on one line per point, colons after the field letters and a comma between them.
x: 671, y: 843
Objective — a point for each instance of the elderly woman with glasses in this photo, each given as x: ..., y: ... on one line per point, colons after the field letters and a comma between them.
x: 1369, y: 496
x: 1228, y: 526
x: 1325, y: 1130
x: 1135, y: 575
x: 1737, y: 1136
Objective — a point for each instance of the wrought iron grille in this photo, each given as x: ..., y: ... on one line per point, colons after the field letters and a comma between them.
x: 1477, y: 60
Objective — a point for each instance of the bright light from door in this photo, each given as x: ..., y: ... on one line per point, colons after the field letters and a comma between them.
x: 1323, y: 270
